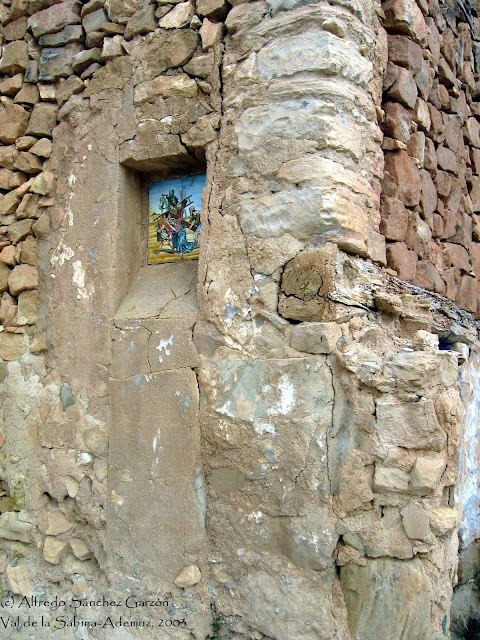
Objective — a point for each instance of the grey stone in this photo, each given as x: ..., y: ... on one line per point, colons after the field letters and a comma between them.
x: 141, y: 22
x: 415, y: 521
x: 55, y: 63
x: 70, y: 33
x: 94, y: 21
x: 66, y: 396
x: 84, y: 59
x: 54, y: 18
x: 31, y: 72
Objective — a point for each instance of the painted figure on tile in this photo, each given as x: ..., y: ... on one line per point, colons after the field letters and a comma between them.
x: 174, y: 234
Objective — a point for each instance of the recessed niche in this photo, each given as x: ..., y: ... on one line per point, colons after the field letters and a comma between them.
x: 174, y: 225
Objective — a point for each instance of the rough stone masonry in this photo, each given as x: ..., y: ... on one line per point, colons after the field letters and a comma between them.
x: 281, y: 440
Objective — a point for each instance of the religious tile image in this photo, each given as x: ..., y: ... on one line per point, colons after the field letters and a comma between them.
x: 174, y: 219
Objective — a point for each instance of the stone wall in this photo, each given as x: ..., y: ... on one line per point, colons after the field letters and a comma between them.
x: 266, y: 440
x: 430, y: 199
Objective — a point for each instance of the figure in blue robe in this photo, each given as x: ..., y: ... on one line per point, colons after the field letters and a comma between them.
x: 180, y: 242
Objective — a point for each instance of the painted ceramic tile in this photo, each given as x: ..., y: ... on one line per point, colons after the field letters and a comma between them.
x: 174, y: 219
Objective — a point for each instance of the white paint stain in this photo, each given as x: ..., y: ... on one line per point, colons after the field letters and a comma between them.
x: 287, y: 398
x: 255, y: 516
x: 264, y: 427
x: 69, y: 216
x: 71, y: 180
x: 164, y: 345
x: 225, y: 409
x: 60, y: 254
x: 156, y: 440
x: 78, y: 279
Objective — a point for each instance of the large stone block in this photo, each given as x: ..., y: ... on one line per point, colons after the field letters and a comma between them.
x: 403, y: 260
x: 405, y: 16
x: 168, y: 425
x: 404, y: 52
x: 412, y: 425
x: 54, y: 18
x: 404, y: 88
x: 43, y: 120
x: 54, y: 63
x: 394, y: 223
x: 154, y: 467
x: 402, y: 178
x: 319, y: 51
x: 14, y: 57
x: 416, y: 371
x: 267, y: 591
x: 388, y: 599
x: 315, y: 337
x: 390, y: 479
x: 22, y: 277
x: 13, y: 122
x: 70, y: 33
x: 311, y: 214
x: 12, y: 347
x: 416, y: 522
x: 426, y: 475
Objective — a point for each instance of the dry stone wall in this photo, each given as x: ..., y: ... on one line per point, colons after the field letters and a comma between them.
x: 263, y: 441
x: 430, y: 190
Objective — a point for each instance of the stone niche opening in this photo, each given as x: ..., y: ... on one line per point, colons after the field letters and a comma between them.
x: 162, y: 205
x: 154, y: 440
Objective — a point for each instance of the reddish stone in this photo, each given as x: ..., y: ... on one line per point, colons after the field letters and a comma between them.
x: 419, y: 237
x: 398, y: 122
x: 405, y: 53
x: 404, y: 89
x: 428, y: 277
x: 449, y: 223
x: 453, y: 132
x: 402, y: 178
x: 475, y: 158
x: 454, y: 198
x: 394, y: 222
x: 430, y: 156
x: 460, y: 106
x: 457, y: 256
x: 444, y: 96
x: 443, y: 182
x: 424, y: 79
x: 476, y: 228
x: 437, y: 225
x: 404, y: 16
x: 463, y: 230
x: 473, y: 132
x: 475, y: 194
x: 467, y: 294
x: 404, y: 261
x: 474, y: 256
x: 445, y: 74
x: 434, y: 39
x: 416, y: 148
x: 451, y: 277
x: 449, y: 46
x: 428, y: 198
x: 446, y: 159
x: 436, y: 118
